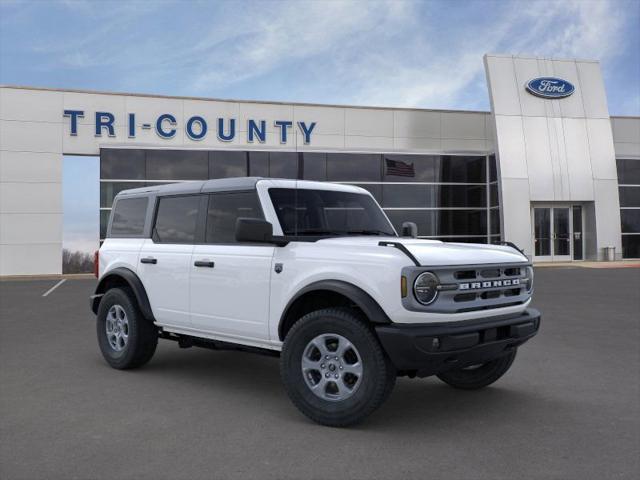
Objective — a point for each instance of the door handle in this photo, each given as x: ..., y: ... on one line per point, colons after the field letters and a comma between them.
x: 204, y: 263
x: 149, y: 260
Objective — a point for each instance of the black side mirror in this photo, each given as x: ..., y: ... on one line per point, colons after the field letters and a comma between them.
x: 256, y: 230
x: 409, y: 229
x: 253, y: 230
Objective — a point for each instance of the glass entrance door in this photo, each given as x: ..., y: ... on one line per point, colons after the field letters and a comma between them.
x: 542, y: 233
x: 557, y: 233
x: 561, y: 234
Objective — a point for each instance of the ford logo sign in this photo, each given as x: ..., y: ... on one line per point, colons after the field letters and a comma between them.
x: 550, y: 87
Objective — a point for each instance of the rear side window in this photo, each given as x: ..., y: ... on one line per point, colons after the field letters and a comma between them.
x: 224, y: 209
x: 128, y: 217
x: 176, y: 219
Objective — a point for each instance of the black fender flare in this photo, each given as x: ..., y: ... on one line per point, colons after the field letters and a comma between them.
x: 133, y: 281
x: 358, y: 296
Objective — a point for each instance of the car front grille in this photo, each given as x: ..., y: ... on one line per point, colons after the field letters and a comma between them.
x: 474, y: 287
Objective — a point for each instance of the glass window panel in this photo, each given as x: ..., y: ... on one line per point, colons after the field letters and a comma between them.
x: 442, y: 222
x: 458, y: 222
x: 227, y: 164
x: 108, y: 191
x: 128, y: 217
x: 122, y: 164
x: 493, y: 168
x: 177, y: 165
x: 283, y: 165
x: 434, y: 196
x: 629, y: 196
x: 373, y: 189
x: 561, y: 231
x: 224, y: 209
x: 315, y: 166
x: 405, y: 196
x: 176, y: 219
x: 104, y: 222
x: 419, y: 217
x: 323, y: 212
x: 494, y: 199
x: 494, y: 215
x: 461, y: 169
x: 630, y: 221
x: 542, y: 229
x: 258, y: 164
x: 410, y: 168
x: 631, y: 246
x: 470, y: 196
x: 628, y: 171
x: 463, y: 239
x: 353, y: 167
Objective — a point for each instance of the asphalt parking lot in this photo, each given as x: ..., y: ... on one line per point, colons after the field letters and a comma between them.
x: 569, y: 407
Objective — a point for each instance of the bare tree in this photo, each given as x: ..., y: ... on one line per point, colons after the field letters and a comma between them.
x: 76, y: 262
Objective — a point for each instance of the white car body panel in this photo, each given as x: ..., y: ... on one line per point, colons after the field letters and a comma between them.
x: 242, y: 299
x: 167, y: 282
x: 119, y: 253
x: 233, y: 297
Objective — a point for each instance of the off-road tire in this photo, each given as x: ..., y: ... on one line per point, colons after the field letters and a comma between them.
x: 142, y: 333
x: 378, y: 376
x: 480, y: 377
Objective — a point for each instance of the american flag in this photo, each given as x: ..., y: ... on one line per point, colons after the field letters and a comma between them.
x: 399, y: 168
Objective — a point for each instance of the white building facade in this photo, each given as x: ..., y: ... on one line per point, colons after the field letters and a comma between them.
x: 547, y: 168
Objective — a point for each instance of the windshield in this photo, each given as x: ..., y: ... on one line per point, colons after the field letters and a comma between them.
x: 328, y: 213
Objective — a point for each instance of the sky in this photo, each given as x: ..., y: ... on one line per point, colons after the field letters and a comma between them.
x: 385, y: 53
x: 390, y: 53
x: 80, y: 203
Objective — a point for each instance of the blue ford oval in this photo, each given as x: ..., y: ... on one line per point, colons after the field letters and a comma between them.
x: 550, y: 87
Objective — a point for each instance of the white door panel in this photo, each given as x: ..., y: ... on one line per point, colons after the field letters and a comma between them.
x: 167, y: 281
x: 232, y: 297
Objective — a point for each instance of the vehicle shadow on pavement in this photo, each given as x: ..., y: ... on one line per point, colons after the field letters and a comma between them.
x: 414, y: 404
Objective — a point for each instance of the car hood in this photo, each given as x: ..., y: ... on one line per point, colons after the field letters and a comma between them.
x: 437, y: 253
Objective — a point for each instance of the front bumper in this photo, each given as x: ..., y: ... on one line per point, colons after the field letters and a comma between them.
x: 430, y: 349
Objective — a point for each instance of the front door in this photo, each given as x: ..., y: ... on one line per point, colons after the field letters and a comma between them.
x: 557, y: 233
x: 230, y: 280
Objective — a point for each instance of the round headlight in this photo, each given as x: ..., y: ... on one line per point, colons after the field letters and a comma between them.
x: 425, y: 288
x: 529, y: 276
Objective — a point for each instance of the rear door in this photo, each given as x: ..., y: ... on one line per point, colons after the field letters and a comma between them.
x: 165, y: 259
x: 230, y: 280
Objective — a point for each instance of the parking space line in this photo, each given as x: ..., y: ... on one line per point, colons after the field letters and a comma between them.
x: 54, y: 287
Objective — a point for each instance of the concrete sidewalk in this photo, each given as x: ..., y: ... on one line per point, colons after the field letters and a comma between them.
x: 587, y: 264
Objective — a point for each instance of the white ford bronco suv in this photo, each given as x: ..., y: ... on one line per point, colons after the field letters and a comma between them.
x: 312, y: 272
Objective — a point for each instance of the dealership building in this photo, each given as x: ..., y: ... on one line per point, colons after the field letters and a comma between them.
x: 547, y: 168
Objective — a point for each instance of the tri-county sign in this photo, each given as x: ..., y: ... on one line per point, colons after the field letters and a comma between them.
x: 196, y: 127
x: 550, y: 87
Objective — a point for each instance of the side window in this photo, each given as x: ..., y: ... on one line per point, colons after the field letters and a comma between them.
x: 224, y: 209
x: 128, y: 217
x: 176, y: 219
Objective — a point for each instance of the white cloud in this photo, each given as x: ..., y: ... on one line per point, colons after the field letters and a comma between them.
x: 387, y: 52
x: 276, y: 37
x: 562, y: 29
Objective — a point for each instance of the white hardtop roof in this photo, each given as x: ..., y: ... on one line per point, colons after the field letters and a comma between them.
x: 236, y: 183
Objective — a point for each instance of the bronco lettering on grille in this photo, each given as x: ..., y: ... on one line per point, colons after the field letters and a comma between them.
x: 489, y: 284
